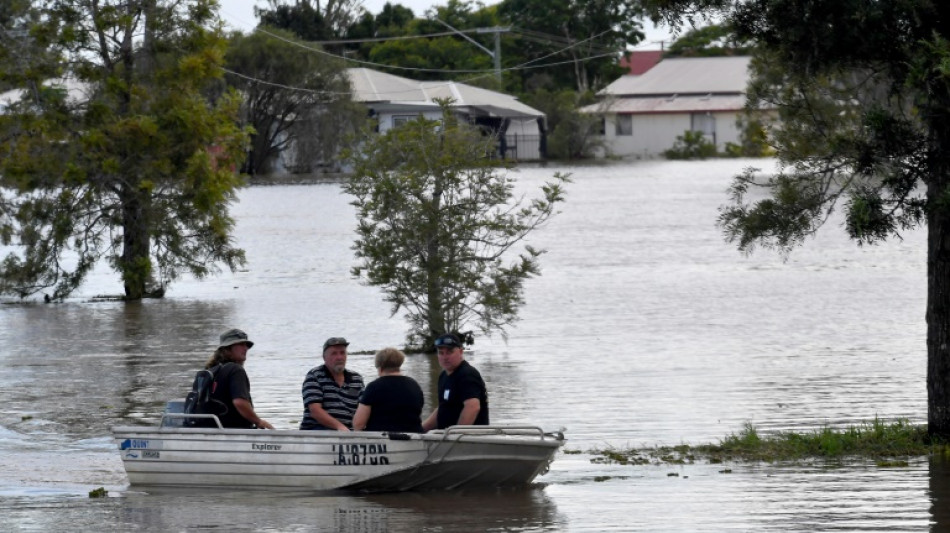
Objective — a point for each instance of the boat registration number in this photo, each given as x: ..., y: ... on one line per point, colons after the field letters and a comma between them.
x: 360, y: 454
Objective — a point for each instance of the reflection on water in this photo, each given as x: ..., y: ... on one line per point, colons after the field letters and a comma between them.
x: 644, y: 328
x: 522, y: 510
x: 940, y: 493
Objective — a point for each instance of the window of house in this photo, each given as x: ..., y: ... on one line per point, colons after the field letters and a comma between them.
x: 602, y: 127
x: 623, y: 125
x: 704, y: 123
x: 399, y: 120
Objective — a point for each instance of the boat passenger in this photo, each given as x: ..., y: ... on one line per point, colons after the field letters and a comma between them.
x: 463, y: 398
x: 392, y: 402
x: 330, y: 391
x: 231, y: 386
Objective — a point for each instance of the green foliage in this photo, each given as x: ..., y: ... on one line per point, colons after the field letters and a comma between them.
x: 571, y: 134
x: 441, y: 53
x: 306, y: 91
x: 134, y: 165
x: 101, y: 492
x: 691, y: 145
x: 21, y: 51
x: 709, y: 41
x: 871, y: 439
x: 863, y: 95
x: 878, y: 440
x: 434, y: 58
x: 439, y: 228
x: 753, y: 139
x: 311, y: 21
x: 780, y: 222
x: 589, y: 36
x: 302, y: 19
x: 566, y: 45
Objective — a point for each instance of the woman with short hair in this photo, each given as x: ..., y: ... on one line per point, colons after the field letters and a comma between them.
x: 392, y: 402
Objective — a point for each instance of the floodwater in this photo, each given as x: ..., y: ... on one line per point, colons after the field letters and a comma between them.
x: 645, y: 328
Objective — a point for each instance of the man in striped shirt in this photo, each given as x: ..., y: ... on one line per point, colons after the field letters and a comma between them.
x: 331, y: 393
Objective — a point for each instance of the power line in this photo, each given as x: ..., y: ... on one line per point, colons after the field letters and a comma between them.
x: 454, y: 71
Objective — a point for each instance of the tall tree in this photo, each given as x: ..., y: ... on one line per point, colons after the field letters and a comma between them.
x: 591, y: 35
x: 438, y: 226
x: 436, y: 57
x: 290, y: 88
x: 709, y: 41
x: 312, y: 21
x: 863, y: 90
x: 125, y: 157
x: 393, y: 20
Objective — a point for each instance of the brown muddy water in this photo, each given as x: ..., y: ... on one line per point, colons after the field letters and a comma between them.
x: 645, y: 328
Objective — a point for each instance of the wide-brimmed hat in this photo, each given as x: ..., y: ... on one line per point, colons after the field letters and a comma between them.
x: 335, y: 341
x: 234, y: 336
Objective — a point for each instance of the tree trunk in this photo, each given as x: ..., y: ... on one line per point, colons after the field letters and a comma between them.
x: 938, y: 281
x: 135, y: 265
x: 436, y: 313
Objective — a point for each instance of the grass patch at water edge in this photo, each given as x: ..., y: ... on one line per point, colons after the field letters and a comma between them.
x: 877, y: 440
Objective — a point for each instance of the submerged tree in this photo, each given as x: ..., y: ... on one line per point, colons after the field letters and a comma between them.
x: 124, y: 156
x: 863, y: 92
x: 439, y: 227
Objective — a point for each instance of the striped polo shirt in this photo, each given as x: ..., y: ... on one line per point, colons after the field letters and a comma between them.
x: 339, y: 401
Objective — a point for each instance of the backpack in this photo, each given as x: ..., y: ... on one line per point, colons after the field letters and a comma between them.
x: 199, y: 400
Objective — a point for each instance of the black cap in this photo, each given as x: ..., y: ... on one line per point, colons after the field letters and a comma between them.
x: 448, y: 339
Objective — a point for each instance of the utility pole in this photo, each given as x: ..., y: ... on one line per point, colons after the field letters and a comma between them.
x: 496, y: 55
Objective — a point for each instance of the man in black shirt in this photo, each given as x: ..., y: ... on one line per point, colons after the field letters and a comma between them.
x: 463, y: 399
x: 231, y: 388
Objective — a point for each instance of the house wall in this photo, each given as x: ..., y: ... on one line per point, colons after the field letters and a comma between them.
x: 523, y: 136
x: 386, y: 118
x: 655, y: 133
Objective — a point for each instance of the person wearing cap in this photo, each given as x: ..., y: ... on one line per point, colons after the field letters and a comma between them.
x: 330, y: 391
x: 463, y: 398
x: 231, y: 386
x: 392, y: 402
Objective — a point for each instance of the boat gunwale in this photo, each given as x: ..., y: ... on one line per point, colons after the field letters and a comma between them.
x: 482, y: 434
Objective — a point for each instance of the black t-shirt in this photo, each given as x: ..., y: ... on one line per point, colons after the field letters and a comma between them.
x: 230, y: 382
x: 396, y: 402
x: 454, y: 389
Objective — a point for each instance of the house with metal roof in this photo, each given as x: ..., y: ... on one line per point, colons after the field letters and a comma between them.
x: 643, y: 115
x: 393, y: 100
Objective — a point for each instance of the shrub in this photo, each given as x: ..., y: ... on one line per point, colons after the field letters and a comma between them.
x: 691, y: 145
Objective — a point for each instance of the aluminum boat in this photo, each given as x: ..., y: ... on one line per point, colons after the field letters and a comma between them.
x: 458, y: 457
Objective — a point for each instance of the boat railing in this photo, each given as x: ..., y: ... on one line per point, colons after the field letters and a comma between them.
x: 170, y: 419
x: 175, y: 415
x: 505, y: 430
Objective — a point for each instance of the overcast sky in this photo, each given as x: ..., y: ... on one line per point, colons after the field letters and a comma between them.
x: 240, y: 15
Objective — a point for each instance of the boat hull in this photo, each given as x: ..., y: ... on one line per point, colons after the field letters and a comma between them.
x: 464, y: 456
